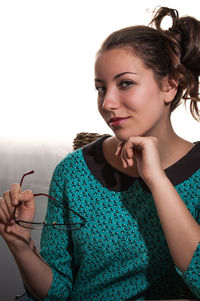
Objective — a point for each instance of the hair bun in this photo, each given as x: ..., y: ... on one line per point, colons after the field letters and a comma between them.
x: 188, y: 29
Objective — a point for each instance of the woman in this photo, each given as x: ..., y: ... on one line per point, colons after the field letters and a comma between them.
x: 138, y: 191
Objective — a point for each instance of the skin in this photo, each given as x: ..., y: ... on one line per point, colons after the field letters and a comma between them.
x: 144, y: 144
x: 126, y: 88
x: 36, y: 274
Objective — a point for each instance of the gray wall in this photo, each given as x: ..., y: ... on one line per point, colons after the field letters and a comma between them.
x: 17, y: 158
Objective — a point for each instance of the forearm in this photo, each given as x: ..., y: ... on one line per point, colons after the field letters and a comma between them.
x: 182, y: 232
x: 36, y: 274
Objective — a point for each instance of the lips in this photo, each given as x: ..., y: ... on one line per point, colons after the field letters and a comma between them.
x: 117, y: 120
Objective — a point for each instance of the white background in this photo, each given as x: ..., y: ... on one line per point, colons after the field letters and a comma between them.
x: 47, y: 52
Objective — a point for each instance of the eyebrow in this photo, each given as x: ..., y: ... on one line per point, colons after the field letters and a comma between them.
x: 116, y: 76
x: 120, y: 74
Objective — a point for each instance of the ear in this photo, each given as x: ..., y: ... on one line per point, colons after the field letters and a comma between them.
x: 169, y: 87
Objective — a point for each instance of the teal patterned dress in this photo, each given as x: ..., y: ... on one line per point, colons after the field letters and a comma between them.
x: 121, y: 252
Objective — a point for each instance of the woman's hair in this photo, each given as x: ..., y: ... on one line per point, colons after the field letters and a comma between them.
x: 174, y: 52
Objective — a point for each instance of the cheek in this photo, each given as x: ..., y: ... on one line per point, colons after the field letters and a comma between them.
x: 135, y: 101
x: 144, y: 99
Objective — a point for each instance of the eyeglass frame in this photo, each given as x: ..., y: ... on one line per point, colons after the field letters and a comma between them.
x: 44, y: 223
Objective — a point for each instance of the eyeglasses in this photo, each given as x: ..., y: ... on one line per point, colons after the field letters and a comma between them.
x: 39, y: 226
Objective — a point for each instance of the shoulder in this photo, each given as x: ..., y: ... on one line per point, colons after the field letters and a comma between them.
x: 70, y: 158
x: 187, y: 168
x: 95, y: 149
x: 79, y: 160
x: 71, y: 161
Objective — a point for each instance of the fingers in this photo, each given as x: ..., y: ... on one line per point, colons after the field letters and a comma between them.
x: 18, y: 197
x: 119, y: 148
x: 132, y: 149
x: 14, y: 192
x: 126, y: 152
x: 12, y: 199
x: 27, y: 198
x: 137, y: 149
x: 7, y: 206
x: 6, y: 211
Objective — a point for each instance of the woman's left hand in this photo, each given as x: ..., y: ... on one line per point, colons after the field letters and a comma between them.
x: 142, y: 151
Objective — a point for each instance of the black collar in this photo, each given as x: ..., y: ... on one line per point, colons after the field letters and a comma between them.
x: 115, y: 180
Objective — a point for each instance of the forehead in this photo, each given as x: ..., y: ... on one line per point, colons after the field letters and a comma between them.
x: 118, y: 60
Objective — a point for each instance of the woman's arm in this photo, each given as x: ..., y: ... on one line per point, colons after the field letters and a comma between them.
x: 181, y: 230
x: 36, y: 274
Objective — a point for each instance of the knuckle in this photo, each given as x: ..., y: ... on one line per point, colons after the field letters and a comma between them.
x: 28, y: 193
x: 14, y: 186
x: 130, y: 139
x: 6, y: 194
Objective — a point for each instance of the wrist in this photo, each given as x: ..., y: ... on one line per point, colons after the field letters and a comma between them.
x: 157, y: 181
x: 21, y: 244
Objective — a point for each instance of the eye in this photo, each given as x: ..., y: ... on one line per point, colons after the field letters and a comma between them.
x: 100, y: 90
x: 125, y: 84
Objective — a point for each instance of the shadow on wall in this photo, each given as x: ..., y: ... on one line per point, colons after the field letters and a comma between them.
x: 16, y: 159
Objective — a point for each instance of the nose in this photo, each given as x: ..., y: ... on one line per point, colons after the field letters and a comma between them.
x: 110, y: 101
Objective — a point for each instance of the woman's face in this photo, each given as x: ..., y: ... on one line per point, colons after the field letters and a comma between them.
x: 129, y: 99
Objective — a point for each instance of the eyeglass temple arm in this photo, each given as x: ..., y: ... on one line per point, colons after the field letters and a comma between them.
x: 51, y: 197
x: 26, y: 174
x: 44, y: 194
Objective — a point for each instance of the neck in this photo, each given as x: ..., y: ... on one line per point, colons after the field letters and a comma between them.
x: 171, y: 148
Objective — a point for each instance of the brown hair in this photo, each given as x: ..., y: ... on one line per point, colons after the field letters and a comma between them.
x: 174, y: 52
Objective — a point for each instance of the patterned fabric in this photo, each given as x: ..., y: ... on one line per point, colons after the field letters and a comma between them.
x: 121, y: 252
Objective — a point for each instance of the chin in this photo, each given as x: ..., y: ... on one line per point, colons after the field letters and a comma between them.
x: 125, y: 135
